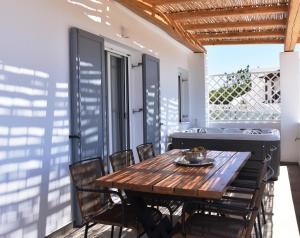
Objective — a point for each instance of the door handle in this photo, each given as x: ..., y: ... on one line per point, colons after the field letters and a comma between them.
x: 74, y: 136
x: 137, y: 110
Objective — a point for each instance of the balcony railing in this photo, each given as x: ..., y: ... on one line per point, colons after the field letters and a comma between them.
x: 246, y: 96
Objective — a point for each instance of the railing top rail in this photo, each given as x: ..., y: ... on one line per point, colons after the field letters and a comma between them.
x: 251, y: 72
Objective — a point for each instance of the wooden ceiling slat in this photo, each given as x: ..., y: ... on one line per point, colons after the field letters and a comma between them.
x: 257, y: 23
x: 242, y: 41
x: 241, y: 24
x: 239, y: 34
x: 172, y: 30
x: 164, y: 2
x: 236, y: 11
x: 293, y: 25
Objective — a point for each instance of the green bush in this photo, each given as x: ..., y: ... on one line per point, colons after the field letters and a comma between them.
x: 236, y: 85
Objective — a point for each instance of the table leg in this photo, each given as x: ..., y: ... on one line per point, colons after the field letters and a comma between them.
x: 153, y: 229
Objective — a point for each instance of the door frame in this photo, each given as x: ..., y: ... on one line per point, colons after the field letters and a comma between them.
x: 108, y: 54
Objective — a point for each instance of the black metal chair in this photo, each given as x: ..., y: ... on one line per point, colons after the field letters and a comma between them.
x: 95, y: 203
x: 208, y: 225
x: 251, y: 169
x: 125, y: 158
x: 170, y: 146
x: 249, y: 174
x: 121, y: 160
x: 249, y: 180
x: 233, y: 203
x: 145, y: 151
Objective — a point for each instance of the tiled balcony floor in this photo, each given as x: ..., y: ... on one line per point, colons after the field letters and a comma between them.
x: 282, y: 209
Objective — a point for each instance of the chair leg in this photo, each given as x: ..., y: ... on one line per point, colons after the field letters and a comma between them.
x: 171, y: 216
x: 259, y: 226
x: 120, y: 231
x: 86, y: 230
x: 183, y: 231
x: 112, y: 232
x: 263, y: 212
x: 255, y: 229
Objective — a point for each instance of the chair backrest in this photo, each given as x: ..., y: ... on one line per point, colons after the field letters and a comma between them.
x: 256, y: 204
x: 255, y: 172
x: 84, y: 174
x: 145, y: 151
x: 170, y: 147
x: 257, y: 195
x: 262, y: 171
x: 121, y: 160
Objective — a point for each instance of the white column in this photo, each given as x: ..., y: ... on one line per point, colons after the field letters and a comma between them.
x: 198, y: 95
x: 290, y: 105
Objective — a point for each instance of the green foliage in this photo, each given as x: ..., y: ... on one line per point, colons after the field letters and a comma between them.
x: 236, y: 85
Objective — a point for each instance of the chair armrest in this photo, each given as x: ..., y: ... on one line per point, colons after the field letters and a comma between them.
x: 109, y: 192
x: 241, y: 190
x: 214, y: 203
x: 209, y: 203
x: 232, y: 207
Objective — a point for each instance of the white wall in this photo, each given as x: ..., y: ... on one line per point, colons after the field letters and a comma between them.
x: 34, y: 103
x: 290, y: 101
x: 198, y: 92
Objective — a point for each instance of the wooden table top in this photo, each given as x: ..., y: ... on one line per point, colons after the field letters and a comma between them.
x: 161, y: 175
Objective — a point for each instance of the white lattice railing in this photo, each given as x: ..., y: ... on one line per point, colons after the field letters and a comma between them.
x: 250, y: 96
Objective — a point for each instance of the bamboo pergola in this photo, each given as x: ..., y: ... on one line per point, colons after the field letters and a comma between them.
x: 197, y: 23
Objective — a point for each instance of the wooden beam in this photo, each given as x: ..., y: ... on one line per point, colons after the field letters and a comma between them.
x: 140, y: 9
x: 242, y: 42
x: 239, y: 34
x: 293, y: 25
x: 241, y: 24
x: 166, y: 2
x: 235, y: 11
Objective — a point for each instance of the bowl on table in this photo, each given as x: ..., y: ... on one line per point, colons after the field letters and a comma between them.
x: 195, y: 155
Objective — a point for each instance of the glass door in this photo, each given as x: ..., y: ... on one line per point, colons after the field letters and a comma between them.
x: 117, y: 77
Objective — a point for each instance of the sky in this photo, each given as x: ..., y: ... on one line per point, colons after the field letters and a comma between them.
x: 230, y: 58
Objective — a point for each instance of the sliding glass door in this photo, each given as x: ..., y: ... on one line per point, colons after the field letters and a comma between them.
x: 117, y: 77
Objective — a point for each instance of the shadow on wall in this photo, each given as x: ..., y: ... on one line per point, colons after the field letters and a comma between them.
x: 34, y: 153
x: 169, y: 119
x: 100, y: 12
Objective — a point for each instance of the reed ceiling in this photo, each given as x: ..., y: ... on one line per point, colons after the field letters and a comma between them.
x: 197, y: 23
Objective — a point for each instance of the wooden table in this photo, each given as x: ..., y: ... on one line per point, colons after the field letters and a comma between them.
x: 162, y: 177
